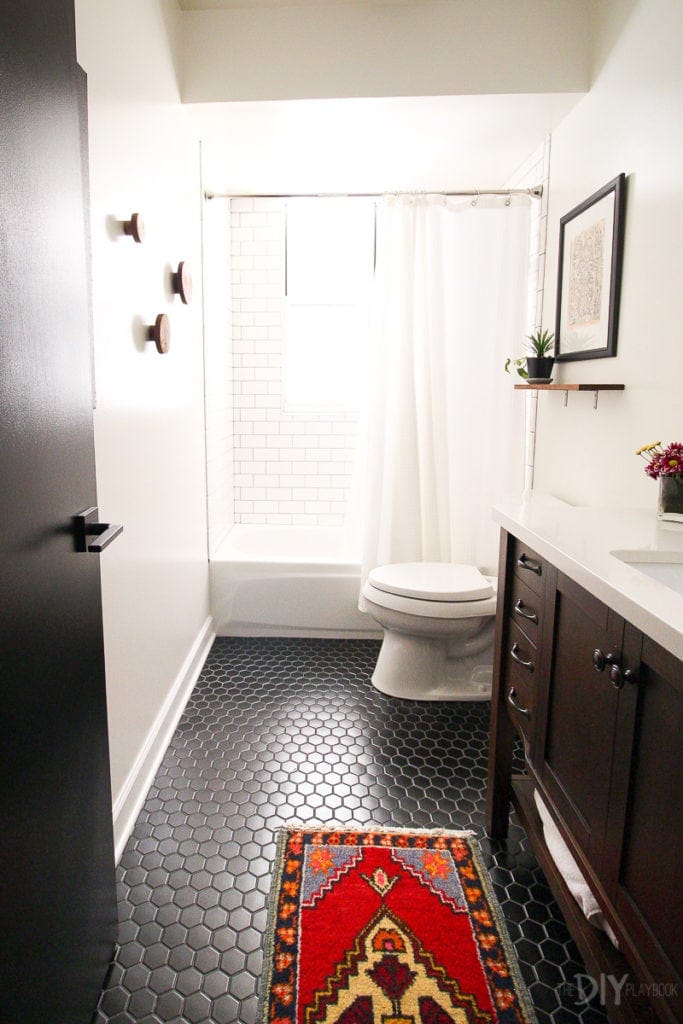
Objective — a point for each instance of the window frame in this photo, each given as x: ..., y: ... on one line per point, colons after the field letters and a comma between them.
x: 347, y: 406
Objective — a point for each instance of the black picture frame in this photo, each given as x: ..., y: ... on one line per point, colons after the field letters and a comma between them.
x: 589, y: 275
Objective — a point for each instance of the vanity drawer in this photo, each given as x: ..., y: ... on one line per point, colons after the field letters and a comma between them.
x: 526, y: 608
x: 529, y: 566
x: 520, y: 679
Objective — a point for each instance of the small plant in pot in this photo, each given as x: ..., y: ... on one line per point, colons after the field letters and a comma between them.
x: 539, y: 363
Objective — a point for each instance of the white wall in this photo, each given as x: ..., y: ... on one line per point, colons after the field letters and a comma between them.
x: 630, y: 121
x: 423, y: 48
x: 218, y: 369
x: 149, y: 431
x: 534, y: 171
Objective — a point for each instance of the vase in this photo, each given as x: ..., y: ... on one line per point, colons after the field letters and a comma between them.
x: 539, y: 369
x: 670, y: 505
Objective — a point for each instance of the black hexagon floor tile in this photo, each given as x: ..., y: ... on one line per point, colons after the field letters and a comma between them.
x: 278, y: 729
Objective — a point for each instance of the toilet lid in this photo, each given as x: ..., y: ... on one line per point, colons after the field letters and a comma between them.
x: 432, y: 581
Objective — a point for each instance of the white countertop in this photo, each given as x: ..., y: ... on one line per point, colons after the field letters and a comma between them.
x: 579, y: 541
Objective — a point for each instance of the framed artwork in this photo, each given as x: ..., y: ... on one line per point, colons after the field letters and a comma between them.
x: 589, y: 275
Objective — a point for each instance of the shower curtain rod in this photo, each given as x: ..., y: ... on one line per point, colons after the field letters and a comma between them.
x: 536, y: 192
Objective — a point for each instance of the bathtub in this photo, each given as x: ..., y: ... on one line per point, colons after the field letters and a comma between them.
x: 287, y: 581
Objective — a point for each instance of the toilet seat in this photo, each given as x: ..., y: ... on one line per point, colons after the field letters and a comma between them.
x: 438, y: 582
x: 430, y: 609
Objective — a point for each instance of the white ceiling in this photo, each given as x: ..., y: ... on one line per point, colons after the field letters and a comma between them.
x: 406, y: 134
x: 396, y: 143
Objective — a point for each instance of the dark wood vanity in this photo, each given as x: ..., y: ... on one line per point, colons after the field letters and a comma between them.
x: 599, y: 708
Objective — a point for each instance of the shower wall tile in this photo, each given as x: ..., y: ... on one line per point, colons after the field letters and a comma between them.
x: 291, y: 468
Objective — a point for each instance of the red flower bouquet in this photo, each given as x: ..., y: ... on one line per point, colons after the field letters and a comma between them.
x: 666, y: 465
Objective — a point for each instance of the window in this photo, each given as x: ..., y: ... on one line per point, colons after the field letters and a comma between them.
x: 330, y: 253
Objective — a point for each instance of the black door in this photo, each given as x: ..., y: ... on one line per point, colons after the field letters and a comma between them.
x: 57, y: 872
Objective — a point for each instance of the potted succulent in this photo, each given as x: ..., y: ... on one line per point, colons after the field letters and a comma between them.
x: 539, y: 363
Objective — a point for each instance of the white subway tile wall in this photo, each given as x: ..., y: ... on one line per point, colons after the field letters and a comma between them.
x: 290, y: 468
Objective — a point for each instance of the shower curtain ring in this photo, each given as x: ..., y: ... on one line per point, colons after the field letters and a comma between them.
x: 476, y: 199
x: 509, y: 199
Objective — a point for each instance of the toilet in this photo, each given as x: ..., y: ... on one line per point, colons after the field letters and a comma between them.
x: 438, y: 620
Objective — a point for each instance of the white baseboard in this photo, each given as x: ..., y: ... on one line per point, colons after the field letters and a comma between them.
x: 141, y: 776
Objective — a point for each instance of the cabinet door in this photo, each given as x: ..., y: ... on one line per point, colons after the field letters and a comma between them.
x: 577, y: 713
x: 644, y: 849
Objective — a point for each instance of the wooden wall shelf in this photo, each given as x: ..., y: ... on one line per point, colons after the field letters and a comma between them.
x: 595, y: 388
x: 569, y: 387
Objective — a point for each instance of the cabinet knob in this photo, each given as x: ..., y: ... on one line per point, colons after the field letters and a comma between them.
x: 616, y: 677
x: 619, y: 676
x: 599, y: 660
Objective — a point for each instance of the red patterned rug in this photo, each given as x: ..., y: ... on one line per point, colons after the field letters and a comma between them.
x: 387, y: 927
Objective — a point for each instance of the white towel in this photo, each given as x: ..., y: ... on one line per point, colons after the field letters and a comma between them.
x: 570, y: 871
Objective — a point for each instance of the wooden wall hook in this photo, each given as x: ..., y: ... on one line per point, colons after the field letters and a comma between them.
x: 182, y: 282
x: 135, y: 227
x: 160, y: 333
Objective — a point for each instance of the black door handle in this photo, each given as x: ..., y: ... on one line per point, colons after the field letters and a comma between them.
x: 105, y: 535
x: 86, y: 526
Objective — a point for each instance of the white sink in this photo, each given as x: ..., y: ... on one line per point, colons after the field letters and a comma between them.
x: 664, y: 566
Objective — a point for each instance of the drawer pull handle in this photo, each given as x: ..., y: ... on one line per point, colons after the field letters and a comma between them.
x: 524, y: 563
x: 520, y: 609
x: 518, y: 707
x: 528, y: 665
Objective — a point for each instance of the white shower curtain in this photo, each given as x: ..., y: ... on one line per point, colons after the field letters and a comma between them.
x: 444, y: 430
